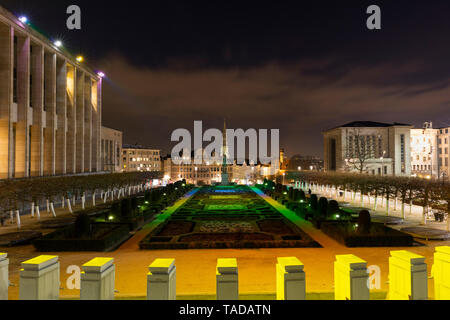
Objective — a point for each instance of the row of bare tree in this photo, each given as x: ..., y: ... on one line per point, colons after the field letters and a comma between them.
x: 406, y: 190
x: 16, y: 196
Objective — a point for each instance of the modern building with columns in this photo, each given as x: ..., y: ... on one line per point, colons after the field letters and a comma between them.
x: 50, y: 106
x: 377, y: 148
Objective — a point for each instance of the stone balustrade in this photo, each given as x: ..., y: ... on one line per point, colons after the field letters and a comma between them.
x: 408, y: 278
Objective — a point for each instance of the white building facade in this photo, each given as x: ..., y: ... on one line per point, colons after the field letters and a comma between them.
x: 369, y: 147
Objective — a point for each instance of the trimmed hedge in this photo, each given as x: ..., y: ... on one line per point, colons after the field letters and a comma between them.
x: 379, y: 235
x: 64, y: 240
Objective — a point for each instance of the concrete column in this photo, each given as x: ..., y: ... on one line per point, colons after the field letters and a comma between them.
x: 88, y: 124
x: 351, y: 278
x: 290, y: 279
x: 71, y: 119
x: 4, y: 279
x: 37, y: 104
x: 39, y: 279
x: 407, y: 276
x: 96, y: 125
x: 23, y: 104
x: 6, y: 98
x: 50, y: 114
x: 227, y: 286
x: 61, y: 111
x: 98, y: 279
x: 441, y: 272
x: 161, y: 280
x: 80, y: 121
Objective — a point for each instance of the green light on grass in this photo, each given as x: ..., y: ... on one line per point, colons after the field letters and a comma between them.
x: 146, y: 202
x: 111, y: 218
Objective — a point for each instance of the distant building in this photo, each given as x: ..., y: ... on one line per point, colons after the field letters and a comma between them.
x: 139, y: 158
x: 369, y: 147
x: 111, y: 150
x: 430, y: 152
x: 211, y: 172
x: 299, y: 162
x: 50, y: 106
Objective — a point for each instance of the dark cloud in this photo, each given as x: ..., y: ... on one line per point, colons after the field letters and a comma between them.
x: 149, y: 104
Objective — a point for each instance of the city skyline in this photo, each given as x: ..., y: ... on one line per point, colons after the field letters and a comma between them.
x: 204, y: 63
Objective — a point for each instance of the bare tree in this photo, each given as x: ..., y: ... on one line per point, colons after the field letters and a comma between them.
x: 359, y: 151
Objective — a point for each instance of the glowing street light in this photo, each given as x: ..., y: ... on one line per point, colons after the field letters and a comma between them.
x: 80, y: 59
x: 101, y: 74
x: 23, y: 19
x: 57, y: 43
x: 299, y: 168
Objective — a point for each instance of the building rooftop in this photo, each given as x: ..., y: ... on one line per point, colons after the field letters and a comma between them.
x: 136, y: 146
x: 371, y: 124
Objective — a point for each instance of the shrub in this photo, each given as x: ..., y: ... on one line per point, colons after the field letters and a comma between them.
x: 333, y: 207
x: 82, y: 227
x: 364, y: 221
x: 322, y: 206
x: 134, y: 203
x: 302, y: 195
x: 125, y: 208
x: 313, y: 202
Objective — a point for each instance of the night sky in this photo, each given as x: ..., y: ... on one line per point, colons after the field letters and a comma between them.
x: 301, y: 67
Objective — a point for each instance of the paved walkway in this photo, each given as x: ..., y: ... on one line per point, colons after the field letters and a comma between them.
x: 196, y: 268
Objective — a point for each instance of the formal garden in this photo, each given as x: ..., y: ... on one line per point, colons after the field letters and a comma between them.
x: 349, y: 227
x: 226, y: 217
x: 110, y: 207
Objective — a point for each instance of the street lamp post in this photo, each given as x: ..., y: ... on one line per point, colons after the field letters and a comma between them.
x: 283, y: 177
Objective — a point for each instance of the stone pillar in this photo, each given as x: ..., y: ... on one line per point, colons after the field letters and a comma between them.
x: 71, y: 119
x: 407, y: 276
x: 39, y: 279
x: 441, y: 272
x: 4, y: 280
x: 50, y: 114
x: 37, y: 104
x: 22, y: 141
x: 80, y: 121
x: 97, y: 279
x: 61, y: 112
x: 351, y: 278
x: 227, y: 279
x: 290, y: 279
x: 96, y: 129
x: 161, y: 280
x: 6, y: 98
x: 88, y: 124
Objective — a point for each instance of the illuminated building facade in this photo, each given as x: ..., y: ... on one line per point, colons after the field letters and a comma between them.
x: 138, y: 158
x: 111, y: 150
x: 50, y: 106
x: 430, y: 152
x: 377, y: 148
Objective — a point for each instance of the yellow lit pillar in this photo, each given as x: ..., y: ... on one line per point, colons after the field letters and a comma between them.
x: 227, y: 286
x: 290, y: 279
x: 407, y: 276
x: 161, y: 280
x: 441, y: 270
x: 4, y: 280
x: 351, y: 278
x: 39, y: 279
x: 98, y: 279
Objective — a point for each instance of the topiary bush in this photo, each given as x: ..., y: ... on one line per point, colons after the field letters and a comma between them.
x: 322, y: 206
x: 82, y: 227
x: 313, y: 203
x: 333, y: 208
x: 301, y: 195
x: 125, y: 208
x: 364, y: 222
x: 134, y: 204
